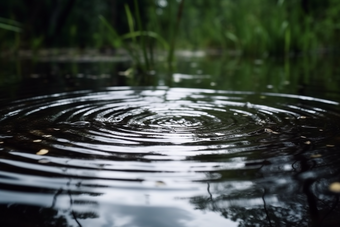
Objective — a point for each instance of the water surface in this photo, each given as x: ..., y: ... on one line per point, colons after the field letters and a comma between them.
x: 169, y: 155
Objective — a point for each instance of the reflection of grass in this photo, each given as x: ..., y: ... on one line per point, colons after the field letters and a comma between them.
x: 294, y: 76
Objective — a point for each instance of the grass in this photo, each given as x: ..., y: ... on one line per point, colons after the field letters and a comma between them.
x: 139, y: 43
x: 253, y: 28
x: 258, y: 27
x: 10, y: 25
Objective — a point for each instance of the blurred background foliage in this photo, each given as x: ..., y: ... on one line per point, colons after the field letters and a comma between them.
x: 250, y: 27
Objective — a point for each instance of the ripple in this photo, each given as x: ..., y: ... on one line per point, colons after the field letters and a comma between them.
x: 135, y: 137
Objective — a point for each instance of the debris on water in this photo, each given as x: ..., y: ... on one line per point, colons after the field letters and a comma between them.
x: 303, y: 137
x: 77, y: 124
x: 37, y: 141
x: 42, y: 152
x: 44, y: 161
x: 302, y: 117
x: 335, y: 187
x: 46, y: 136
x: 160, y: 183
x: 268, y: 130
x: 330, y: 145
x: 316, y: 156
x: 308, y: 142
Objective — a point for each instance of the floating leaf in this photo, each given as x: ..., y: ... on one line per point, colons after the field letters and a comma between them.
x: 37, y: 141
x: 46, y: 136
x: 302, y: 117
x: 316, y: 156
x: 270, y: 131
x: 160, y: 183
x: 44, y: 161
x: 308, y: 142
x: 42, y: 152
x: 334, y: 187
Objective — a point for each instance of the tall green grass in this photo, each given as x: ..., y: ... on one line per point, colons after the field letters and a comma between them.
x: 139, y: 42
x: 258, y: 27
x: 7, y: 40
x: 250, y: 27
x: 10, y: 25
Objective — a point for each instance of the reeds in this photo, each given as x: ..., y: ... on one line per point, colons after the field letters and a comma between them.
x: 140, y: 43
x: 250, y: 27
x: 10, y: 25
x: 259, y: 27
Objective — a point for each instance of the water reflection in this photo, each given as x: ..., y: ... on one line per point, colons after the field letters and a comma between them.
x: 160, y: 156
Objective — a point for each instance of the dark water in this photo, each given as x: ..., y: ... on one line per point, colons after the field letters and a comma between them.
x: 79, y: 149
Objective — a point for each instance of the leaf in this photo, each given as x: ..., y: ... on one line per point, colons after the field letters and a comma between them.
x: 42, y: 152
x: 335, y: 187
x: 270, y: 131
x: 10, y: 27
x: 316, y: 156
x: 231, y: 36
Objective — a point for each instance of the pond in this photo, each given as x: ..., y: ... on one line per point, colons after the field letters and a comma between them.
x: 227, y: 142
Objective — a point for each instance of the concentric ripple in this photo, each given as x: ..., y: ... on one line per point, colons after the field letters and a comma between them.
x: 146, y: 137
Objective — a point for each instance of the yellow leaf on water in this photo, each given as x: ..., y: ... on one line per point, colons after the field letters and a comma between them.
x: 316, y: 156
x: 335, y: 187
x: 308, y: 142
x: 42, y: 152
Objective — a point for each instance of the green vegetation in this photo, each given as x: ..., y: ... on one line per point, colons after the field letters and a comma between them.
x: 252, y: 28
x: 9, y: 25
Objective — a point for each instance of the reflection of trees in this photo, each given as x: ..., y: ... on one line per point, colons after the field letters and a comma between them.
x: 301, y: 200
x: 29, y: 215
x: 71, y: 196
x: 236, y: 207
x: 35, y: 215
x: 289, y: 209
